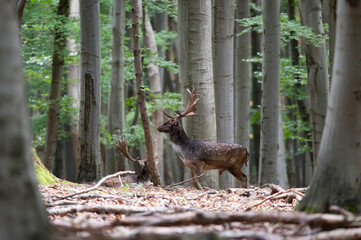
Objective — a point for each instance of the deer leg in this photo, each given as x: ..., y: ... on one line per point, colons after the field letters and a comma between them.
x: 196, y: 171
x: 237, y: 173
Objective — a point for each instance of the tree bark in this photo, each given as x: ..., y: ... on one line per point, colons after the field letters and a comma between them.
x: 89, y: 150
x: 270, y: 94
x: 60, y: 40
x: 116, y: 115
x: 156, y: 90
x: 242, y: 83
x: 316, y: 59
x: 196, y: 70
x: 331, y: 33
x: 338, y: 173
x: 136, y: 13
x: 22, y: 214
x: 20, y: 10
x: 223, y: 77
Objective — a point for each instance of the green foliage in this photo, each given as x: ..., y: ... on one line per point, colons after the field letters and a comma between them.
x: 159, y: 6
x: 165, y: 38
x: 290, y: 29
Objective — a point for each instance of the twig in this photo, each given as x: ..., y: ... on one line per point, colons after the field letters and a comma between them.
x: 188, y: 180
x: 121, y: 173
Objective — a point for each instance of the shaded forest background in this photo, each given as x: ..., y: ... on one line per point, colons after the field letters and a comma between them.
x: 44, y: 26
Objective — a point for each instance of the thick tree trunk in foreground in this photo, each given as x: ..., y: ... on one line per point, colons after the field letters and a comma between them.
x: 89, y: 139
x: 52, y: 126
x: 136, y: 13
x: 116, y: 115
x: 270, y: 95
x: 22, y: 215
x: 316, y: 58
x: 223, y: 77
x: 338, y: 173
x: 196, y: 70
x: 156, y: 90
x: 242, y: 84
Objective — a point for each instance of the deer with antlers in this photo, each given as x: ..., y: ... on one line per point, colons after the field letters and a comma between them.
x: 143, y: 177
x: 201, y: 155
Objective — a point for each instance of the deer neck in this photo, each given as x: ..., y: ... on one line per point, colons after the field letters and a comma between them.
x: 179, y: 138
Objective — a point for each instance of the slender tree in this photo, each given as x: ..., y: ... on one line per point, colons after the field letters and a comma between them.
x: 331, y: 33
x: 338, y: 173
x: 60, y: 40
x: 270, y: 94
x: 136, y: 15
x: 223, y: 76
x: 196, y: 70
x: 155, y: 89
x: 116, y: 115
x: 242, y: 82
x: 316, y: 59
x: 89, y: 141
x: 22, y: 214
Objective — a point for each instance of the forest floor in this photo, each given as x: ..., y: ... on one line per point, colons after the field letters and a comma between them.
x: 140, y: 212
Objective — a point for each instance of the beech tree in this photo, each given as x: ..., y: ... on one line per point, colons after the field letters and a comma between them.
x: 196, y: 70
x: 270, y: 94
x: 116, y: 115
x: 89, y: 119
x: 60, y: 40
x: 338, y: 173
x: 316, y: 59
x: 22, y: 214
x: 242, y: 82
x: 223, y: 76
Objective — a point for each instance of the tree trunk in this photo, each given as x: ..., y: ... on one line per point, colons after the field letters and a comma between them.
x: 331, y: 33
x: 242, y: 83
x: 256, y: 39
x: 136, y: 13
x: 338, y: 173
x: 281, y: 156
x: 89, y: 150
x: 116, y: 115
x: 156, y: 90
x: 22, y: 214
x: 223, y: 77
x: 73, y: 90
x: 196, y: 70
x: 316, y: 58
x: 60, y: 40
x: 270, y: 94
x: 20, y: 9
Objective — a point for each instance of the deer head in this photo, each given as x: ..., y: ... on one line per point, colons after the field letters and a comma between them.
x: 173, y: 123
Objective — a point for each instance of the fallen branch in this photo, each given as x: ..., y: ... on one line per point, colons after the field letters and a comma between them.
x: 185, y: 181
x: 121, y: 173
x: 274, y: 196
x: 324, y: 221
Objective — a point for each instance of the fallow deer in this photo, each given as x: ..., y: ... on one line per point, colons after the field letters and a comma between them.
x: 142, y: 178
x: 201, y: 155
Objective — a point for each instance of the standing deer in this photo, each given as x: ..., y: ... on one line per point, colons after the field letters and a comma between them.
x: 201, y: 155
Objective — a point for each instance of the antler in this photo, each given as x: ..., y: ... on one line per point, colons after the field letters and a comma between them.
x: 191, y: 105
x: 122, y: 145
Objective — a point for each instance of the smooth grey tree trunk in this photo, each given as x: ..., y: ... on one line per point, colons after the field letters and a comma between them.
x: 242, y: 84
x: 223, y: 77
x: 331, y: 33
x: 22, y: 214
x: 89, y: 119
x: 73, y: 90
x: 316, y: 59
x: 196, y: 70
x: 270, y: 94
x: 60, y: 40
x: 156, y: 90
x: 281, y: 156
x: 338, y: 173
x: 136, y: 15
x: 116, y: 115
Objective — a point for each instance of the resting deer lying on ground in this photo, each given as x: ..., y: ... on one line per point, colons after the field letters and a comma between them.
x: 142, y: 178
x: 201, y: 155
